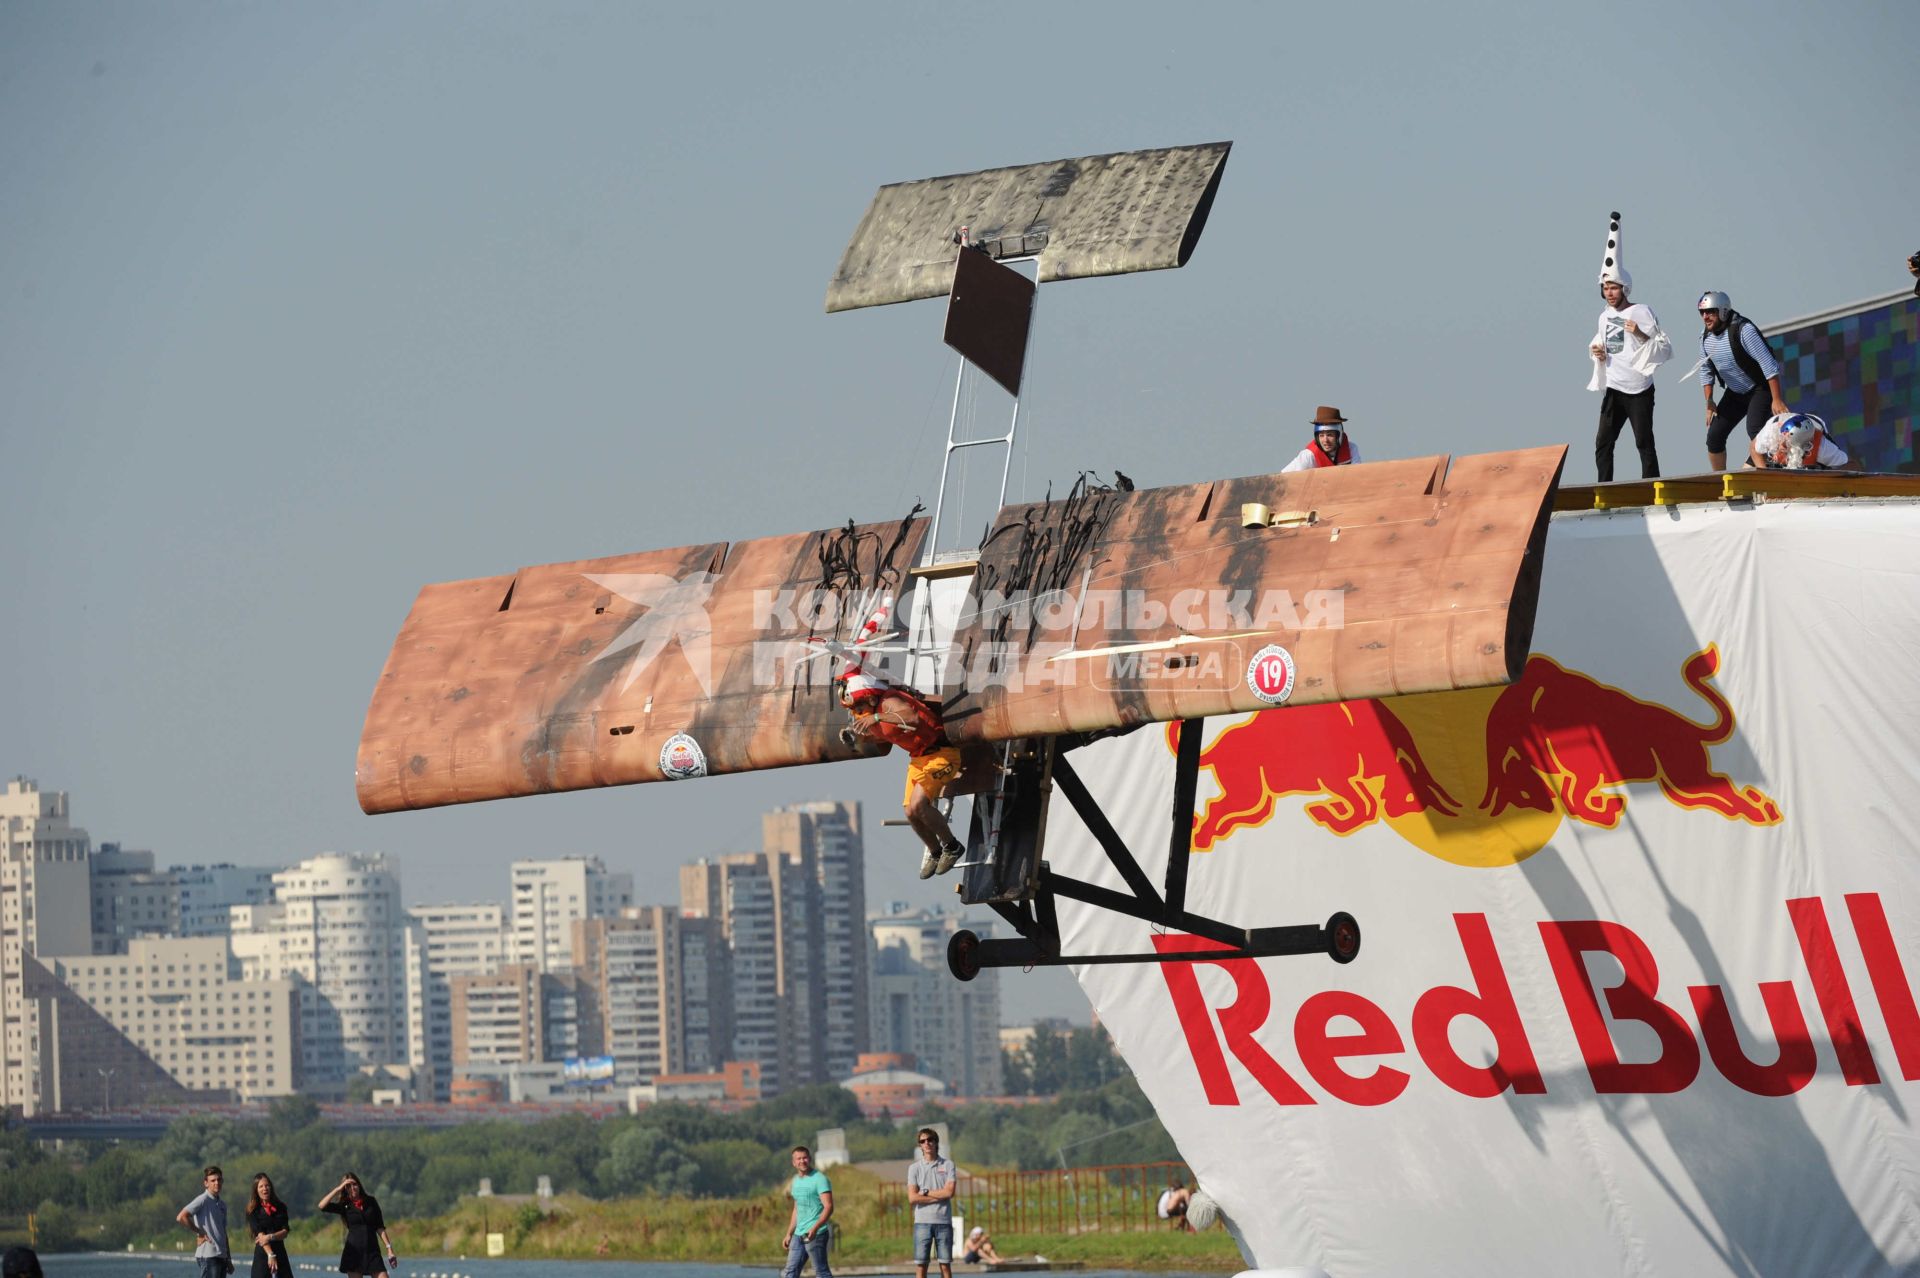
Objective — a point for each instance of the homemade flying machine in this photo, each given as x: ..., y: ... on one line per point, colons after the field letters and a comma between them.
x: 1075, y: 618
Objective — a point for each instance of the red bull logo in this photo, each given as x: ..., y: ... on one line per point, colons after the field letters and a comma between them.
x: 1556, y: 744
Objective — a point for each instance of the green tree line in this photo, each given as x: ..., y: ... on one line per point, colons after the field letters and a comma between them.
x: 1053, y: 1064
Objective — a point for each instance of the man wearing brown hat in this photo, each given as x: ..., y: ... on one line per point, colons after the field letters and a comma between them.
x: 1330, y: 446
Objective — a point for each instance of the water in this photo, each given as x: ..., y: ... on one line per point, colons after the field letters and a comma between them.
x: 110, y: 1265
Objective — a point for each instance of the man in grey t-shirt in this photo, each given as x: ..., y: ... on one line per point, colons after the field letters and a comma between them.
x: 206, y: 1216
x: 931, y: 1181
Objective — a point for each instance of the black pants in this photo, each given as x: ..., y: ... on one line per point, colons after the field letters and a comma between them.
x: 1755, y: 406
x: 1617, y: 408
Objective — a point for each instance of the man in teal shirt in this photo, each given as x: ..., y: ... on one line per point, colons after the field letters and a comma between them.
x: 807, y: 1229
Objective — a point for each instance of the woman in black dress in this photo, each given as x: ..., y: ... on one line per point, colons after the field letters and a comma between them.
x: 267, y: 1222
x: 361, y: 1214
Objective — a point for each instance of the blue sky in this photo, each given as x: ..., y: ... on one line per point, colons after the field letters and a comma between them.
x: 308, y: 305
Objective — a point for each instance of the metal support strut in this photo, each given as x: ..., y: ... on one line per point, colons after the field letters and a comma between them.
x: 1038, y: 944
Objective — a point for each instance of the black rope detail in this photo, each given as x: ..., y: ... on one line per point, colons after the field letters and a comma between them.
x: 841, y: 574
x: 1053, y: 540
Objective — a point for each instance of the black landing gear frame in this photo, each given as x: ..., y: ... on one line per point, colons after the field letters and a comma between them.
x: 1004, y: 871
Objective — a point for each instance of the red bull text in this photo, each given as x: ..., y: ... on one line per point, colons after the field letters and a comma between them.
x: 1362, y: 1067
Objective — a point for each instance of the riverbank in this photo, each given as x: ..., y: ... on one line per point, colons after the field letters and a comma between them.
x: 747, y: 1231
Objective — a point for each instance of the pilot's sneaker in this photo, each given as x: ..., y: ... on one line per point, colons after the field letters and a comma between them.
x: 949, y: 857
x: 929, y: 864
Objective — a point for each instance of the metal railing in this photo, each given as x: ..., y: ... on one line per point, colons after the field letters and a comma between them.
x: 1077, y: 1200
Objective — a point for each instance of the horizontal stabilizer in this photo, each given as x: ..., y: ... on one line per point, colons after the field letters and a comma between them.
x: 1096, y: 215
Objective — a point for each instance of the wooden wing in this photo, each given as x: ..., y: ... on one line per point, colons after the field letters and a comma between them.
x: 661, y: 665
x: 1101, y: 610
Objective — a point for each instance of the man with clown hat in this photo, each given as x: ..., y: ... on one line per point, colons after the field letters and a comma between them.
x: 1626, y: 349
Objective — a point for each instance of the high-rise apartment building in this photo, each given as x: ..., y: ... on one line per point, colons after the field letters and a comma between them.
x: 767, y: 906
x: 209, y: 894
x: 918, y: 1008
x: 336, y: 928
x: 46, y: 909
x: 826, y: 837
x: 499, y: 1017
x: 706, y: 996
x: 549, y: 896
x: 521, y: 1015
x: 632, y: 967
x: 445, y: 941
x: 130, y: 898
x: 737, y: 893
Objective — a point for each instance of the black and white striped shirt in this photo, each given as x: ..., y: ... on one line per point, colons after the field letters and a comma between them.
x: 1723, y: 368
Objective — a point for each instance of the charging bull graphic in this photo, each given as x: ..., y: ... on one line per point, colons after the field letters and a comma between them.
x: 1558, y: 738
x: 1555, y: 744
x: 1362, y: 761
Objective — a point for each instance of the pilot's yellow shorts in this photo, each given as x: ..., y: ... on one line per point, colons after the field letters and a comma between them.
x: 932, y: 772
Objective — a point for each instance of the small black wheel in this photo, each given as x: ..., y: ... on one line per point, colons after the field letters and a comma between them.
x: 1343, y: 937
x: 963, y: 955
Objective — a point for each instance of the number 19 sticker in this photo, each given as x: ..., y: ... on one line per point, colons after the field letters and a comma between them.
x: 1270, y: 674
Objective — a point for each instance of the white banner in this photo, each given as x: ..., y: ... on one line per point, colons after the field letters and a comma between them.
x: 1636, y: 992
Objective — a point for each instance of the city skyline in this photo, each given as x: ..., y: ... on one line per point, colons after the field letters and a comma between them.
x: 248, y: 982
x: 900, y: 886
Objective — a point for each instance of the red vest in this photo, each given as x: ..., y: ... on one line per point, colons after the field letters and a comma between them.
x: 1341, y: 457
x: 900, y: 718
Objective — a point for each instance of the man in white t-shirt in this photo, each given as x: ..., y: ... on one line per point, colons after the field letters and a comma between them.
x: 1797, y: 441
x: 1625, y: 329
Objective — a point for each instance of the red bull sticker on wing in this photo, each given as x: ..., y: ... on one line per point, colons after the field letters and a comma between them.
x: 682, y: 759
x: 1482, y: 777
x: 1270, y: 674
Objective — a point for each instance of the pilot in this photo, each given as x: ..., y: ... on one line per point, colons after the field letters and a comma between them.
x: 899, y: 716
x: 1330, y: 446
x: 1797, y: 441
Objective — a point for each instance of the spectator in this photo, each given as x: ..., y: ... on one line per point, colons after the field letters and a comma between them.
x: 206, y: 1218
x: 267, y: 1222
x: 808, y: 1234
x: 360, y: 1212
x: 931, y: 1182
x: 1173, y: 1205
x: 979, y: 1249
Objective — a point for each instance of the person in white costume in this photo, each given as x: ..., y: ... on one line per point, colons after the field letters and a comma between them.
x: 1626, y: 348
x: 1797, y: 441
